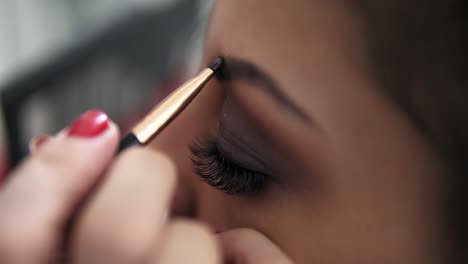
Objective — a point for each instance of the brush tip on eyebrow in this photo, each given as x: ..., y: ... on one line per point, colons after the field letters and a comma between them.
x: 232, y: 69
x: 216, y: 64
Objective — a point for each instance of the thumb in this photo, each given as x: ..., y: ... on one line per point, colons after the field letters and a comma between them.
x: 38, y: 199
x: 248, y: 246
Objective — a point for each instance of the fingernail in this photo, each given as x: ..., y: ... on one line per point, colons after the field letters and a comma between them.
x: 90, y: 124
x: 36, y: 142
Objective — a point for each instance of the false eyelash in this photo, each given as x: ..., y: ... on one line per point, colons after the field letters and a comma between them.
x: 222, y: 173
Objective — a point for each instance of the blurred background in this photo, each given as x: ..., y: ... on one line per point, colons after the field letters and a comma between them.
x: 59, y: 58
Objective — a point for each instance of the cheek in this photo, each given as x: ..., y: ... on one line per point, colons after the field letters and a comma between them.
x: 357, y: 218
x: 285, y: 219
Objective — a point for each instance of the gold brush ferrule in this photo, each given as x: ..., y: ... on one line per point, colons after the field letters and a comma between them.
x: 170, y: 107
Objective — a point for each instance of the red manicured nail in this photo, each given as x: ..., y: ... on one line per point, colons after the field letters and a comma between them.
x: 90, y: 124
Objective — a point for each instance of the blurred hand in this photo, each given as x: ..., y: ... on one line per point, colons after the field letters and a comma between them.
x: 123, y: 221
x: 246, y: 246
x: 123, y: 207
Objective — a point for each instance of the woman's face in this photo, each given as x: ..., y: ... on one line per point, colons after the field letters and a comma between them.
x: 318, y: 159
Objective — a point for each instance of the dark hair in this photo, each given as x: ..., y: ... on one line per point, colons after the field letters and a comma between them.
x: 420, y: 53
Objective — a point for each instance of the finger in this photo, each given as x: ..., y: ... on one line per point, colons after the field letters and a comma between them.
x: 120, y: 224
x: 248, y: 246
x: 36, y: 142
x: 40, y: 196
x: 187, y: 242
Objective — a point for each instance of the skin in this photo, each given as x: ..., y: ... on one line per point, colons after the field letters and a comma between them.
x: 120, y: 220
x: 358, y: 184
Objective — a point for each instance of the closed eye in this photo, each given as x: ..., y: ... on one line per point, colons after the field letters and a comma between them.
x: 223, y: 173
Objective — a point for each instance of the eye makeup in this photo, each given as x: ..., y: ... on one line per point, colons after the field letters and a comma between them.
x: 225, y: 161
x: 241, y: 138
x: 240, y: 159
x: 224, y: 173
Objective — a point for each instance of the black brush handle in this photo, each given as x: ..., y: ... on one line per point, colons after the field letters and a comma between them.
x: 128, y: 141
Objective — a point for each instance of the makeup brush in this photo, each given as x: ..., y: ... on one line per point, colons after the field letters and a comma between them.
x: 163, y: 114
x: 160, y: 117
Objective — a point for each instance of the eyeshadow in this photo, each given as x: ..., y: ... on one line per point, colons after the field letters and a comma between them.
x: 244, y: 141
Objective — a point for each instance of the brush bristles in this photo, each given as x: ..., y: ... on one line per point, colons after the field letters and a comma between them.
x: 216, y: 64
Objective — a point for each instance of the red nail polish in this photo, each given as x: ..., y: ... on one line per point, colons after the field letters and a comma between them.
x: 90, y: 124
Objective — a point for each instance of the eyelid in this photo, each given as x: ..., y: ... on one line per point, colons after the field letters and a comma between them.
x: 249, y: 154
x: 223, y: 174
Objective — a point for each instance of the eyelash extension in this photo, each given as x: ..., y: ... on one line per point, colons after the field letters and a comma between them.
x: 222, y: 173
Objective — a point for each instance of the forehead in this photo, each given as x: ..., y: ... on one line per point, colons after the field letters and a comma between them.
x: 299, y: 42
x: 278, y: 23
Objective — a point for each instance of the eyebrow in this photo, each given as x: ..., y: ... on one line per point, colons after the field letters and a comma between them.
x: 240, y: 70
